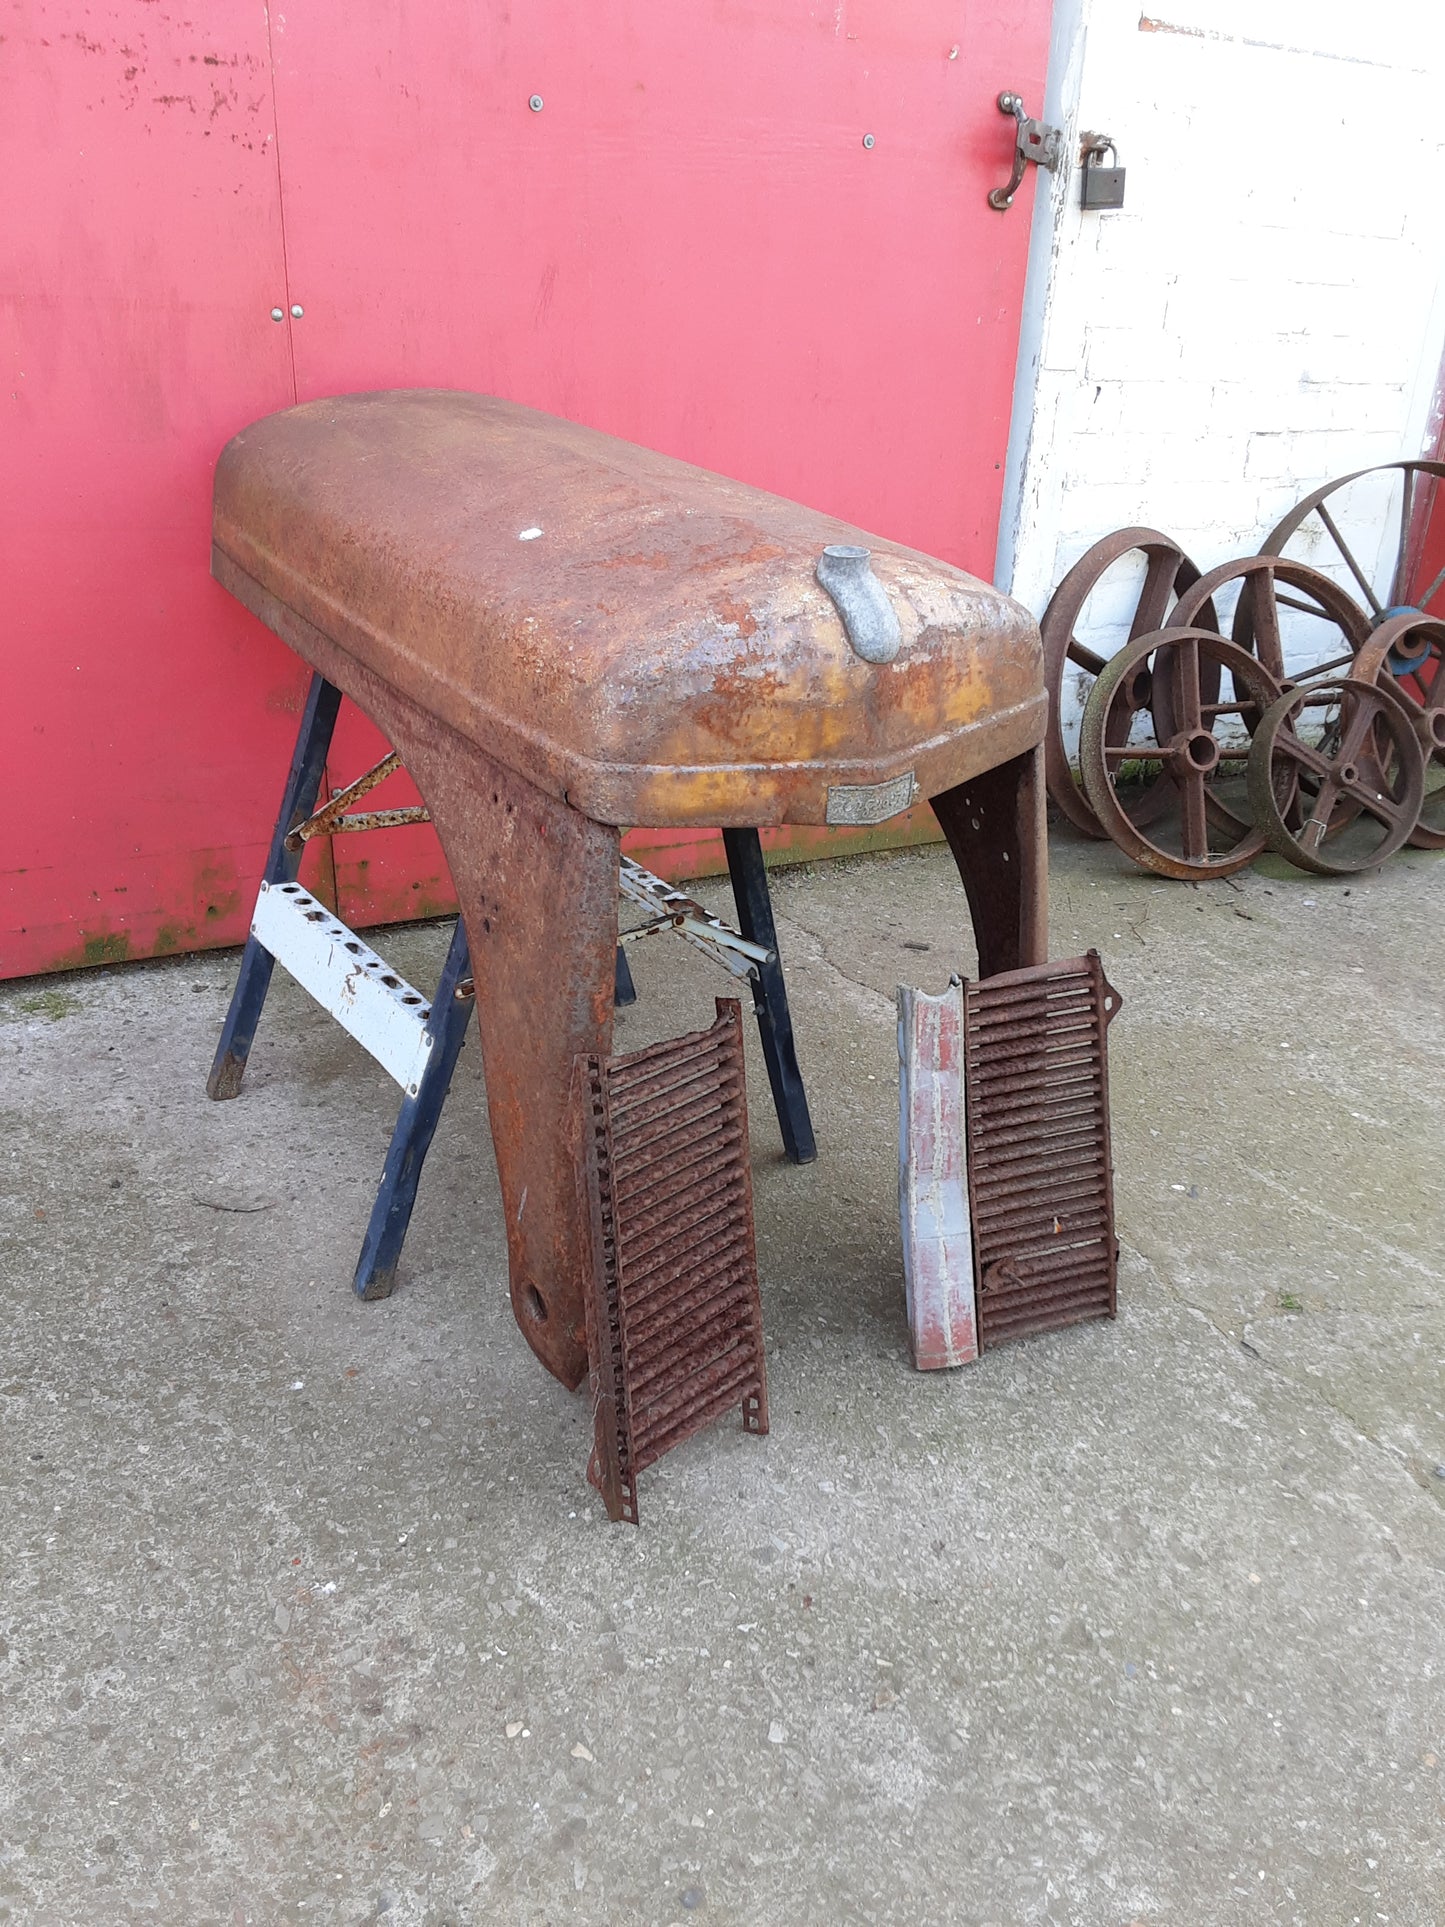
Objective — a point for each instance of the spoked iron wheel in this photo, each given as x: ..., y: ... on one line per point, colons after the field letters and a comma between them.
x: 1167, y: 571
x: 1268, y: 584
x: 1366, y: 766
x: 1318, y: 529
x: 1180, y: 673
x: 1409, y: 650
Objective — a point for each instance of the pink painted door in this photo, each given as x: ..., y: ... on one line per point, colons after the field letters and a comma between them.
x: 145, y: 719
x: 688, y: 244
x: 753, y: 234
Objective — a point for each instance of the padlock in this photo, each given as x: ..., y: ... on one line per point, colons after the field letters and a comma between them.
x: 1101, y: 186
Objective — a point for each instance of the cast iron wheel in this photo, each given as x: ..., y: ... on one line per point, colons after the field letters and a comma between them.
x: 1256, y: 625
x: 1181, y: 672
x: 1368, y: 760
x: 1386, y: 587
x: 1168, y: 571
x: 1410, y: 649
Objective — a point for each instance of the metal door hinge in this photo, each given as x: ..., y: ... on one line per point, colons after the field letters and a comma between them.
x: 1034, y: 141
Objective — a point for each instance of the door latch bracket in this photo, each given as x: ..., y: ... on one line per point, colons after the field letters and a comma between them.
x: 1034, y: 141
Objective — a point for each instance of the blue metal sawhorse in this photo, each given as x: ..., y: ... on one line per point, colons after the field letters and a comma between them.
x: 445, y: 1024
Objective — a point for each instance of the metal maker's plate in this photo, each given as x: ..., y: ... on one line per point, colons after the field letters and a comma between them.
x: 674, y: 1321
x: 1039, y: 1176
x: 864, y: 804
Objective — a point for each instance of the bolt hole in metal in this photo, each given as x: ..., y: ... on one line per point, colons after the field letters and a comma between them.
x: 536, y: 1305
x: 1203, y: 751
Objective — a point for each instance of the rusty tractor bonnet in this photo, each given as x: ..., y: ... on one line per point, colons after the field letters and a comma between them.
x: 648, y: 640
x: 562, y: 635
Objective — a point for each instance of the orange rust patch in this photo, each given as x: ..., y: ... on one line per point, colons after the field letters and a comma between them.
x: 738, y: 613
x: 736, y: 687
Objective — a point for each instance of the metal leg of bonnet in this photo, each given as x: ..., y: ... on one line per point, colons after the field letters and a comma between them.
x: 770, y: 994
x: 303, y: 785
x: 997, y: 831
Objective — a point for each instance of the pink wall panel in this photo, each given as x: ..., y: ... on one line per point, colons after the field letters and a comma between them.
x: 688, y: 245
x: 145, y: 720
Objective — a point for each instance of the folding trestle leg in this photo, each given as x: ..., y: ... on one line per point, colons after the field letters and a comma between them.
x: 419, y: 1043
x: 624, y: 991
x: 303, y: 785
x: 770, y: 994
x: 441, y: 1034
x: 410, y: 1141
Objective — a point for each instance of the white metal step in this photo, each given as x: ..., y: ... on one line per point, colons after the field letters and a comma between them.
x: 360, y: 990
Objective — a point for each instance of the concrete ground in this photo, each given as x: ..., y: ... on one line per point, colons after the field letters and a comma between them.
x: 1142, y: 1622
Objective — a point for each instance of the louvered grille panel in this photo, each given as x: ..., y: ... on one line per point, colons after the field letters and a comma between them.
x: 674, y: 1317
x: 1039, y: 1175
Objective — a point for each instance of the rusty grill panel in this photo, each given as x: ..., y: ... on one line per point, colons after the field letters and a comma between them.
x: 1039, y: 1175
x: 674, y: 1320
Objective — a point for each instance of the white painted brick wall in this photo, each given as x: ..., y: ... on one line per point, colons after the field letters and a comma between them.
x: 1266, y: 311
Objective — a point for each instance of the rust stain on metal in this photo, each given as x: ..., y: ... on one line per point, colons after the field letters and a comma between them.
x: 380, y: 819
x: 674, y: 1321
x: 1040, y: 1182
x: 332, y: 817
x: 392, y: 523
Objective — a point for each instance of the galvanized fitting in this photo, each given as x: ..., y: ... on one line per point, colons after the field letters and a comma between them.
x: 861, y: 600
